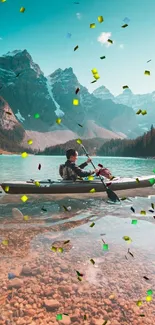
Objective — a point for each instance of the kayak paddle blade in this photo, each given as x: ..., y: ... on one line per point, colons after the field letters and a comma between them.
x: 112, y: 195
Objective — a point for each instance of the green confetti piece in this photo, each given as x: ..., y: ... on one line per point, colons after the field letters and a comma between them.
x: 152, y: 181
x: 92, y: 224
x: 36, y: 115
x: 59, y: 317
x: 149, y: 292
x: 134, y: 222
x: 153, y: 170
x: 105, y: 247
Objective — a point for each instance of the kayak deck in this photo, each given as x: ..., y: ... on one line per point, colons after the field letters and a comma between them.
x: 62, y: 187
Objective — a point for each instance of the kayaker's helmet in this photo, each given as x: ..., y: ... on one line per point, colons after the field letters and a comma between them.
x: 61, y: 167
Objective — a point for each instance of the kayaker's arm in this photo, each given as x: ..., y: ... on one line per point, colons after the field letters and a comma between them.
x: 80, y: 172
x: 82, y: 166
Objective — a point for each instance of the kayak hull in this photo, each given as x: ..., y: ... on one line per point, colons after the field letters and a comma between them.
x: 66, y: 187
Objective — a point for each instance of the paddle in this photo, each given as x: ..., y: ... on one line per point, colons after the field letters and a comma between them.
x: 111, y: 195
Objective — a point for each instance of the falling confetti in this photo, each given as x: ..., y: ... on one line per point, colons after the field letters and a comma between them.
x: 132, y: 209
x: 147, y: 72
x: 134, y: 222
x: 96, y: 76
x: 66, y: 242
x: 139, y: 303
x: 29, y: 141
x: 100, y: 19
x: 11, y: 276
x: 92, y: 25
x: 85, y: 317
x: 127, y: 238
x: 148, y: 61
x: 5, y: 242
x: 76, y: 47
x: 92, y: 82
x: 102, y: 57
x: 152, y: 181
x: 146, y: 278
x: 143, y: 212
x: 22, y: 9
x: 77, y: 90
x: 144, y: 112
x: 142, y: 315
x: 105, y: 247
x: 152, y: 205
x: 137, y: 180
x: 24, y: 155
x: 60, y: 250
x: 149, y: 292
x: 3, y: 0
x: 54, y: 249
x: 26, y: 218
x: 125, y: 87
x: 79, y: 274
x: 36, y: 115
x: 90, y: 178
x: 6, y: 188
x: 94, y: 71
x: 92, y: 224
x: 59, y: 317
x: 130, y: 253
x: 105, y: 322
x: 148, y: 298
x: 124, y: 26
x: 110, y: 41
x: 80, y: 125
x: 139, y: 112
x: 43, y: 209
x: 37, y: 183
x: 24, y: 198
x: 39, y: 166
x: 79, y: 278
x: 58, y: 120
x: 9, y: 113
x: 92, y: 261
x: 79, y: 141
x: 92, y: 190
x: 75, y: 102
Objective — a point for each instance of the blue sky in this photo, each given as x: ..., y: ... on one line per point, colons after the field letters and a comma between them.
x: 43, y: 27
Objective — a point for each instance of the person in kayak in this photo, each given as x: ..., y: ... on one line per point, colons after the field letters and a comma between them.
x: 70, y: 171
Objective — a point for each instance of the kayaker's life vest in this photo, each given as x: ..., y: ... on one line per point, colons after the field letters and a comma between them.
x: 61, y: 168
x: 67, y: 173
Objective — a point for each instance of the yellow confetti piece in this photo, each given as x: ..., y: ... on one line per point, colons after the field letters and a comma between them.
x: 54, y: 249
x: 143, y: 212
x: 139, y: 303
x: 125, y: 87
x: 79, y: 141
x: 22, y: 9
x: 90, y: 178
x: 24, y: 198
x: 6, y: 188
x: 92, y: 25
x: 60, y: 250
x: 92, y: 190
x: 24, y: 154
x: 5, y: 242
x: 30, y: 141
x: 26, y: 218
x: 3, y: 0
x: 148, y: 298
x: 96, y: 76
x: 144, y: 112
x: 137, y: 180
x: 58, y: 120
x: 147, y: 72
x: 100, y: 19
x: 127, y: 239
x: 75, y: 102
x: 94, y: 71
x: 37, y: 183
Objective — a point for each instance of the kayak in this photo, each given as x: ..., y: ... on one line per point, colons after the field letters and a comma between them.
x: 62, y: 187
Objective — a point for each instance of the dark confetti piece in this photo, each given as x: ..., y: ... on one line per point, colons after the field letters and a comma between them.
x: 146, y: 278
x: 102, y: 57
x: 152, y: 205
x: 84, y: 317
x: 77, y: 90
x: 92, y: 82
x: 66, y: 242
x: 79, y: 274
x: 76, y: 47
x: 124, y: 26
x: 100, y: 165
x: 105, y: 322
x: 142, y: 315
x: 92, y: 224
x: 149, y: 61
x: 132, y: 209
x: 125, y: 87
x: 80, y: 125
x: 151, y: 210
x: 43, y: 209
x: 65, y: 314
x: 137, y: 180
x: 9, y: 113
x: 92, y: 261
x: 39, y: 166
x: 110, y: 41
x: 130, y: 253
x: 65, y: 208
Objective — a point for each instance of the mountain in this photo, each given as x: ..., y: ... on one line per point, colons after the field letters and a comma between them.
x: 11, y: 132
x: 103, y: 93
x: 28, y: 92
x: 142, y: 146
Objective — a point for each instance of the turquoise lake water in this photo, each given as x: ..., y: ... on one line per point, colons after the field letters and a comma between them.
x: 18, y: 168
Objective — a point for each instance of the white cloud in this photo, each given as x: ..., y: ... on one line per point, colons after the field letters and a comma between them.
x: 78, y: 15
x: 103, y: 38
x: 121, y: 46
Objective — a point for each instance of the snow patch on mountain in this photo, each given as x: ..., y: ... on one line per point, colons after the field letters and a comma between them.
x: 13, y: 53
x: 58, y: 111
x: 20, y: 117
